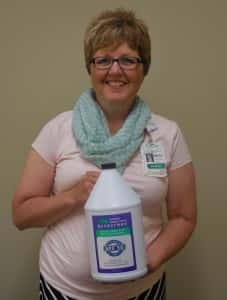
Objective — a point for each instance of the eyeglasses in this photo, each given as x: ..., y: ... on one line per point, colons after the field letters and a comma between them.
x: 125, y: 62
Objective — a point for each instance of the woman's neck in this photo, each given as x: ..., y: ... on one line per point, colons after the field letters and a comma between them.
x: 115, y: 117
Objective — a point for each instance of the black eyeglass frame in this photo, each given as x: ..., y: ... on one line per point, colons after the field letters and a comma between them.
x: 112, y: 60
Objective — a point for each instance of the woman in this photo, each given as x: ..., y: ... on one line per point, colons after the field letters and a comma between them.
x: 109, y: 123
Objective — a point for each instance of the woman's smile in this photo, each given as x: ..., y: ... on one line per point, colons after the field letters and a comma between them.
x: 115, y: 84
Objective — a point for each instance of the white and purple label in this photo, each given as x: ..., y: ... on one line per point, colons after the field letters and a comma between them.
x: 114, y: 243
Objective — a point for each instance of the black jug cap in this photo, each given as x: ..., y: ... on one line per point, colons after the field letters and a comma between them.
x: 107, y: 166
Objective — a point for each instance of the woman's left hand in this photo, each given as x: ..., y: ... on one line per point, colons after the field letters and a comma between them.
x: 181, y: 212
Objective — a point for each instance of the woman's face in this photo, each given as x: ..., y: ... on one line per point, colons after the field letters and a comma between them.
x: 116, y: 85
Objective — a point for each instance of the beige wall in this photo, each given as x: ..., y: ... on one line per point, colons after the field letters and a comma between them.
x: 42, y: 73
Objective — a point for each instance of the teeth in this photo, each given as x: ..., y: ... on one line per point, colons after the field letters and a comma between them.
x: 115, y: 83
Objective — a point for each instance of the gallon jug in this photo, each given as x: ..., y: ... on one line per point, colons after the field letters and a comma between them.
x: 115, y: 229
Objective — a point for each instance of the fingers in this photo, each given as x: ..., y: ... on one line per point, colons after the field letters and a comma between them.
x: 80, y: 192
x: 84, y: 187
x: 92, y: 176
x: 89, y: 180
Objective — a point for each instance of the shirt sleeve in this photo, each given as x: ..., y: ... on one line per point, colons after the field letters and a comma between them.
x: 180, y: 154
x: 47, y: 141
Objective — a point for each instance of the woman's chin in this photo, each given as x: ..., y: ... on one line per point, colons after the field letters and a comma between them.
x: 118, y: 98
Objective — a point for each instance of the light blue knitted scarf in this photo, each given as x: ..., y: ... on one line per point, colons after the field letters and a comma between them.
x: 96, y: 143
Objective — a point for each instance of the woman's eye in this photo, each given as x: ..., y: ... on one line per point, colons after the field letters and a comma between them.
x: 103, y: 61
x: 127, y: 61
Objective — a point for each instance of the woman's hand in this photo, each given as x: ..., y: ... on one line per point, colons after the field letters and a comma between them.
x: 32, y: 204
x: 181, y: 211
x: 81, y: 191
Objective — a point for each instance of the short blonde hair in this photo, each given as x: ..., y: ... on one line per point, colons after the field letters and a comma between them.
x: 113, y: 27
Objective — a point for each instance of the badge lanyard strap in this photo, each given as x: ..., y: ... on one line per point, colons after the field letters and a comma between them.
x: 149, y: 135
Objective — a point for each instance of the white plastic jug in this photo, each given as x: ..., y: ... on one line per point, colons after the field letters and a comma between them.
x: 115, y: 229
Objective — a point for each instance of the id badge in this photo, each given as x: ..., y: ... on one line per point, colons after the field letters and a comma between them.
x: 154, y: 160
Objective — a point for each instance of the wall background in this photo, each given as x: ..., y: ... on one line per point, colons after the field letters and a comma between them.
x: 42, y: 73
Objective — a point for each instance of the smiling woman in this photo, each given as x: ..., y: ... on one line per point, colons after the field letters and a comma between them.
x: 117, y: 86
x: 125, y: 43
x: 109, y: 123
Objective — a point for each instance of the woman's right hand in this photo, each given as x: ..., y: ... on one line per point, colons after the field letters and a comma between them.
x: 34, y: 206
x: 81, y: 191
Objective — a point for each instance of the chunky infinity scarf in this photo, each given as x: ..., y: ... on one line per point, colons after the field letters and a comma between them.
x: 91, y: 132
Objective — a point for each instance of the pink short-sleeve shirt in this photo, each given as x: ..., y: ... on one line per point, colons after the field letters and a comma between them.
x: 64, y: 259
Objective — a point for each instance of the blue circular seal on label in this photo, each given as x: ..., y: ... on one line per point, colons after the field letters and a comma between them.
x: 114, y: 247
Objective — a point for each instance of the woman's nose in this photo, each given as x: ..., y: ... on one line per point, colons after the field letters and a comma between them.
x: 115, y: 68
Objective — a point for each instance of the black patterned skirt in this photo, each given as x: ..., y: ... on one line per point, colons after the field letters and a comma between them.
x: 156, y: 292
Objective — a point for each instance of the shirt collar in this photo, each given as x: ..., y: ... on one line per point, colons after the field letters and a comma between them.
x: 151, y: 126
